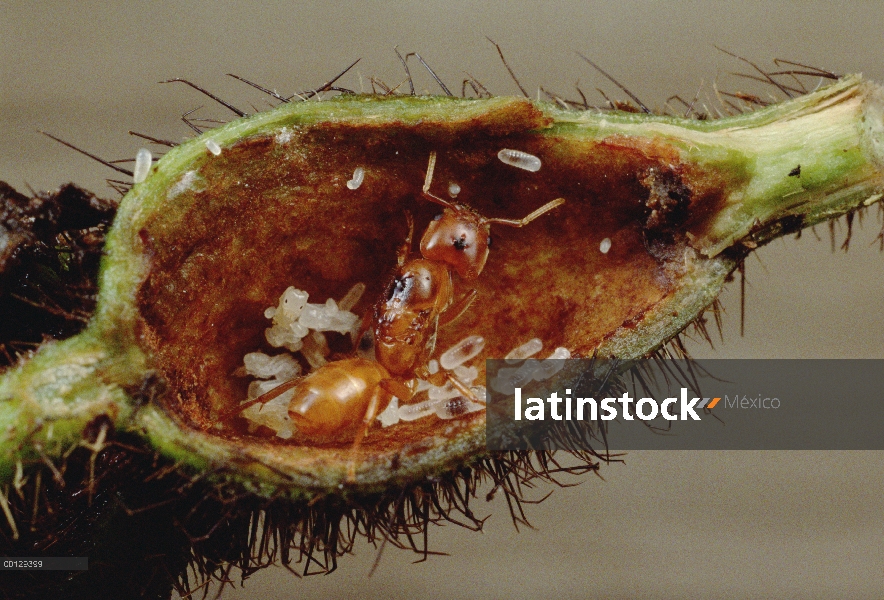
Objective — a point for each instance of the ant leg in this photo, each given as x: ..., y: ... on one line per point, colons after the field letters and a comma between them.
x: 263, y: 398
x: 371, y: 414
x: 463, y: 388
x: 458, y: 308
x: 396, y: 388
x: 366, y: 324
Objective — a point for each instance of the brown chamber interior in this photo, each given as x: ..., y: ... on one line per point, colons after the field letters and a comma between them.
x: 276, y: 214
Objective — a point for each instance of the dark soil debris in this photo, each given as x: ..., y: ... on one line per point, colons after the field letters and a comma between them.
x: 50, y: 250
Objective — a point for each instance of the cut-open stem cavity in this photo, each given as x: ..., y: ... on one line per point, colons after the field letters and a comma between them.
x: 658, y: 213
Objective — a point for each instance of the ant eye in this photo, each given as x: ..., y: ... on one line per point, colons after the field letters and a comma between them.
x: 437, y: 217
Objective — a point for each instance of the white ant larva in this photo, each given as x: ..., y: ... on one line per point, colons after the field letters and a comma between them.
x: 143, y: 161
x: 358, y: 176
x: 213, y: 147
x: 605, y: 245
x: 519, y: 159
x: 453, y: 190
x: 526, y: 350
x: 552, y: 365
x: 461, y: 352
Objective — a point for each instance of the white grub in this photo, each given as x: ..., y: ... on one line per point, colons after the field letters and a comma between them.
x: 390, y: 415
x: 213, y: 147
x: 532, y: 369
x: 443, y: 392
x: 273, y: 414
x: 461, y: 352
x: 605, y: 245
x: 279, y: 337
x: 288, y: 331
x: 526, y: 350
x: 447, y: 401
x: 455, y: 407
x: 559, y: 353
x: 419, y: 410
x: 519, y: 159
x: 143, y: 162
x: 466, y: 374
x: 358, y: 177
x: 327, y: 317
x: 453, y: 189
x: 507, y: 380
x: 263, y: 366
x: 295, y: 317
x: 547, y: 368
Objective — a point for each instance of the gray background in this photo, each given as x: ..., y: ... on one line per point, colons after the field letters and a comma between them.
x: 665, y: 524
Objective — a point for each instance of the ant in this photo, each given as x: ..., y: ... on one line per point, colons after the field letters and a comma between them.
x: 340, y: 400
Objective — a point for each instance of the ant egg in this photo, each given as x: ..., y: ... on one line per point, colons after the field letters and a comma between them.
x: 461, y: 352
x: 413, y: 412
x: 526, y: 350
x: 519, y: 159
x: 443, y: 392
x: 213, y: 147
x: 358, y: 176
x: 547, y: 368
x: 143, y: 161
x: 453, y: 190
x: 559, y: 354
x: 262, y: 366
x: 466, y: 375
x: 507, y: 380
x: 605, y: 245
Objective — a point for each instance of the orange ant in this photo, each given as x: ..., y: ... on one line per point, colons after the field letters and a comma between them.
x: 340, y: 400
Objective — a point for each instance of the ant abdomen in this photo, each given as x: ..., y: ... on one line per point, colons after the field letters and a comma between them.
x: 330, y: 403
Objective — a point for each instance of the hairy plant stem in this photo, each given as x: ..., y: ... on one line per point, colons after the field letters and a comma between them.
x: 753, y: 178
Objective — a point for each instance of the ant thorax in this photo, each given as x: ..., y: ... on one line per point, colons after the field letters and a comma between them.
x: 406, y: 321
x: 459, y: 238
x: 419, y: 285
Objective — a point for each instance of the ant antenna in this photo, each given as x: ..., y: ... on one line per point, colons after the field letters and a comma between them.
x: 431, y: 166
x: 524, y: 221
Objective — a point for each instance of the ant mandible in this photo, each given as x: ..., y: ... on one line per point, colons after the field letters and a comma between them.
x: 340, y: 400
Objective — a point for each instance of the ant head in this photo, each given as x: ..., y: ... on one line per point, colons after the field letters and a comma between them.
x: 459, y: 238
